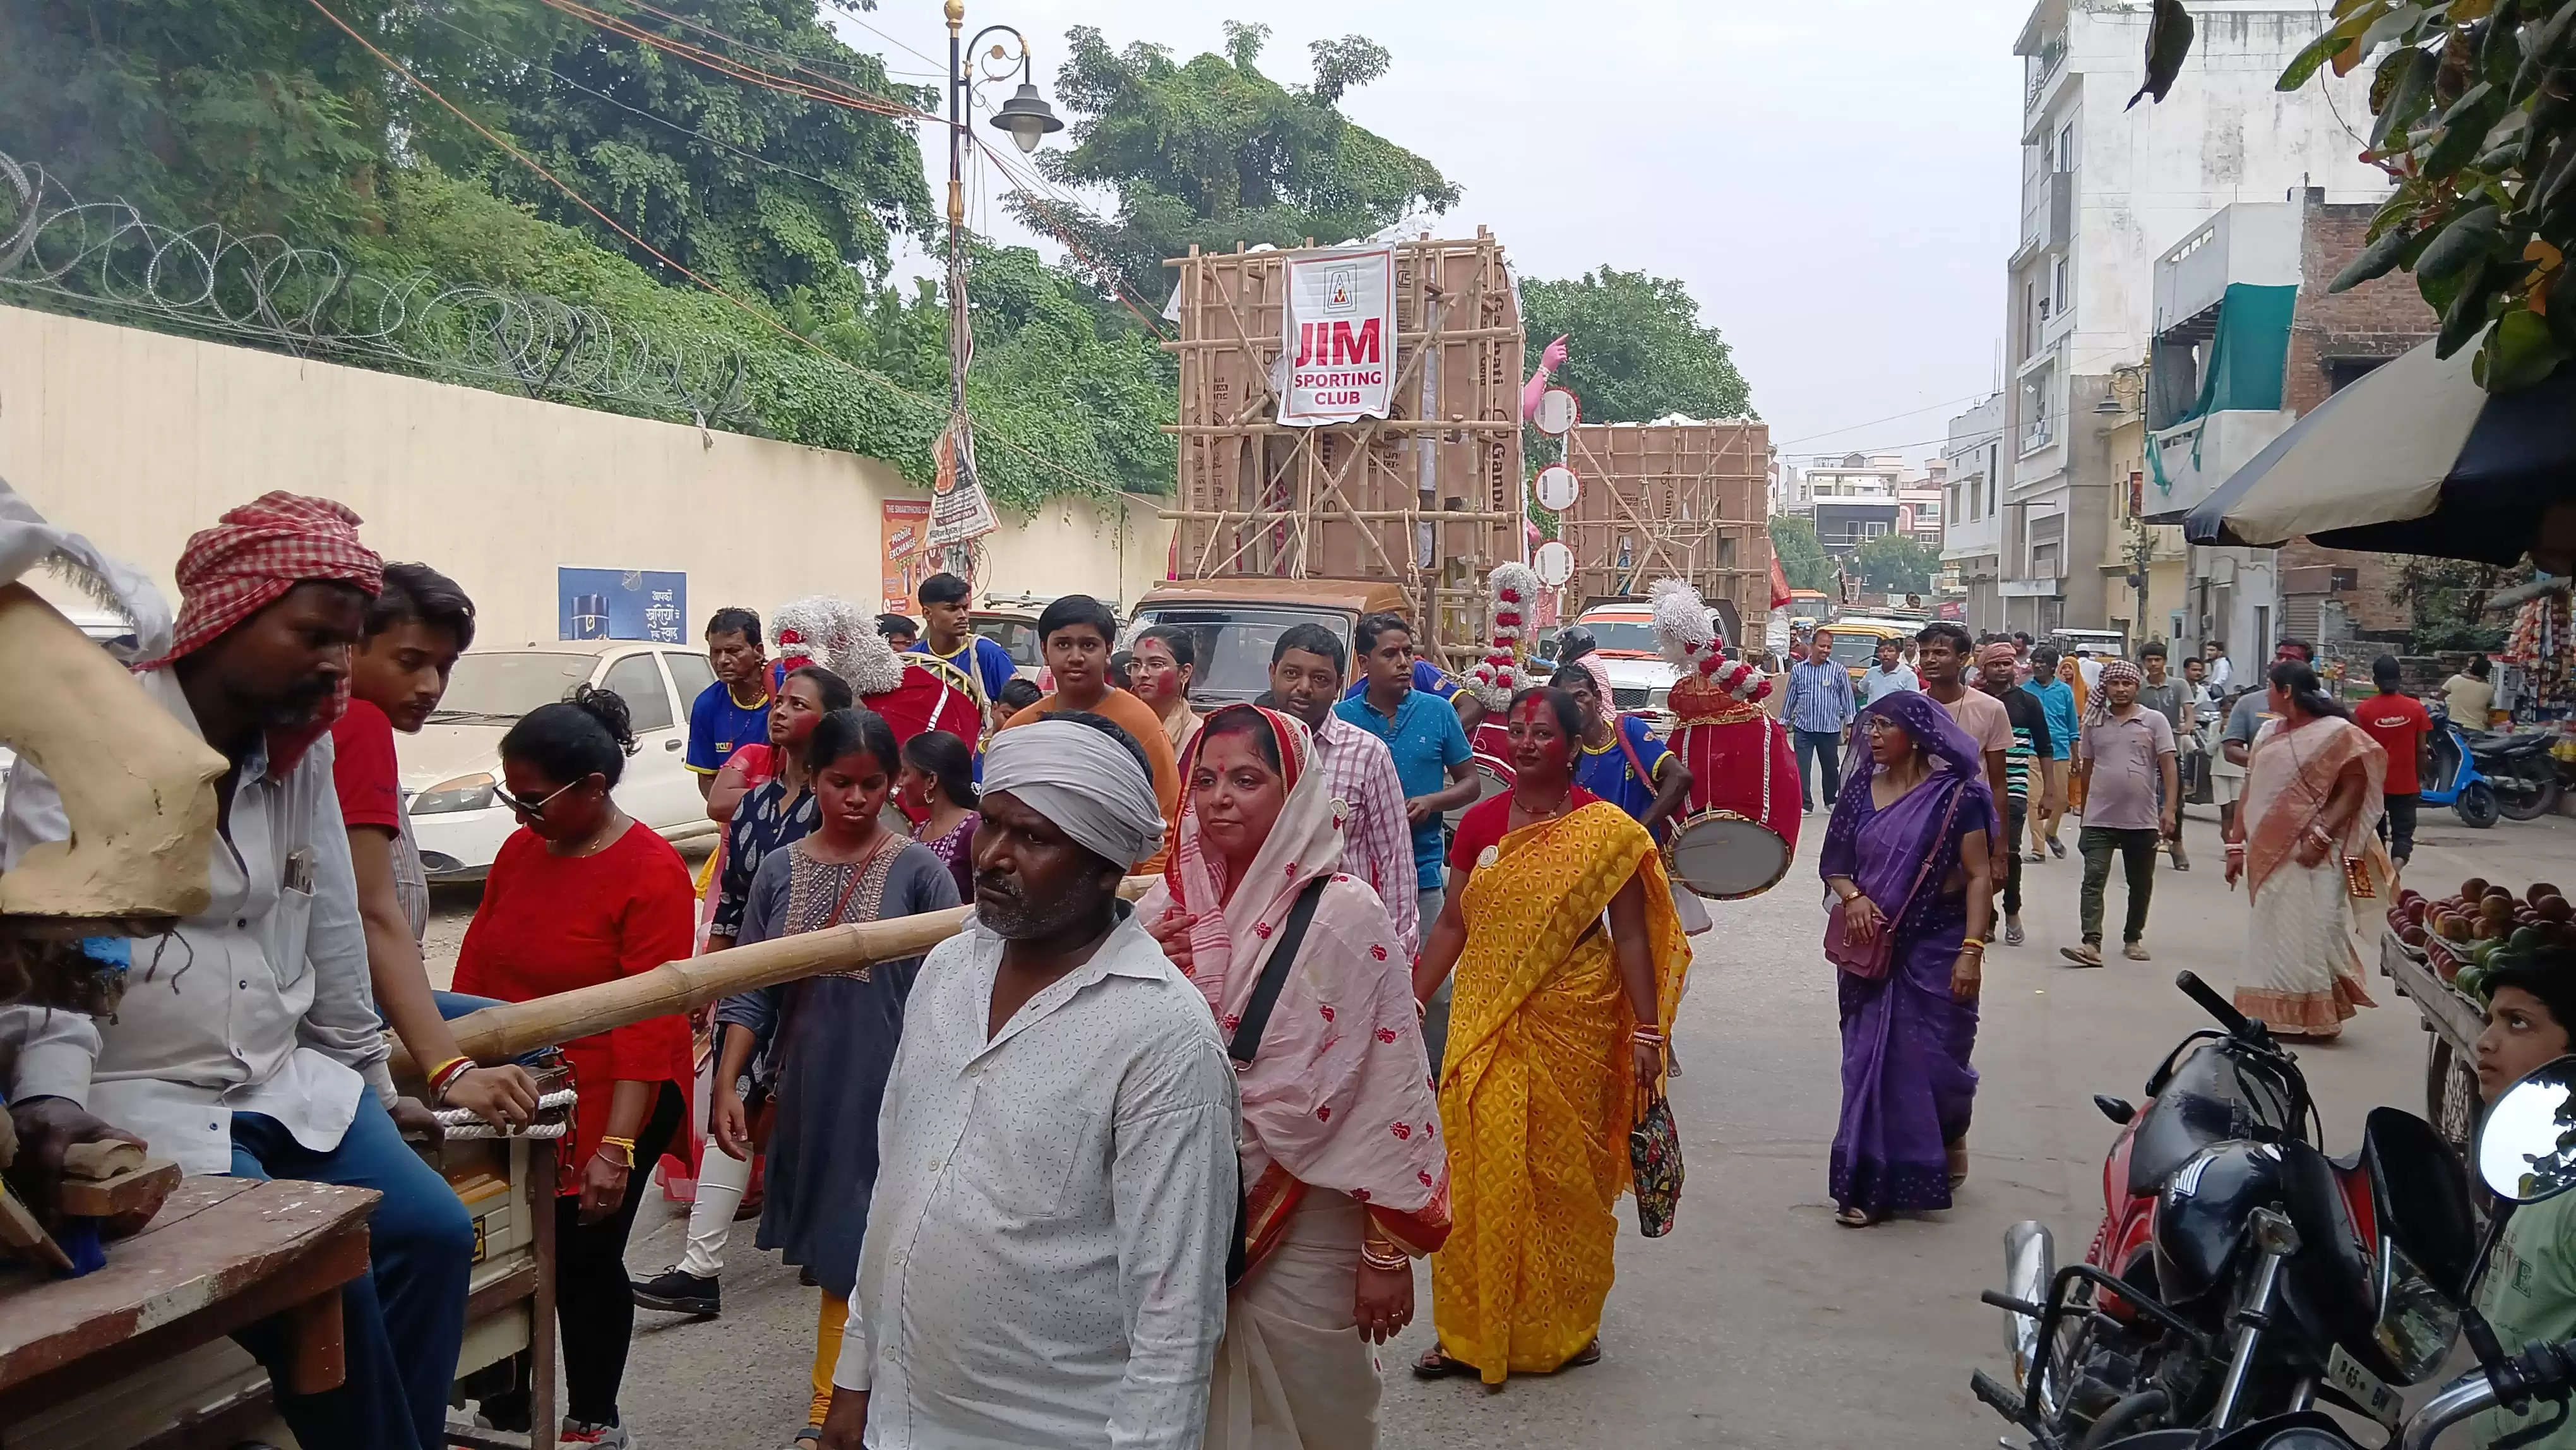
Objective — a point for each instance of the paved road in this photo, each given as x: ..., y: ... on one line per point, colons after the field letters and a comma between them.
x: 1759, y: 1322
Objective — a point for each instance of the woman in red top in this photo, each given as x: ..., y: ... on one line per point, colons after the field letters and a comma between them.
x: 580, y: 895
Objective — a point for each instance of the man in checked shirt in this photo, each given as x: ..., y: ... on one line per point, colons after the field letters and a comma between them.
x: 1306, y: 671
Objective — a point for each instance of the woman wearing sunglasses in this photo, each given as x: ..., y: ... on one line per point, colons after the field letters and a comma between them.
x: 582, y: 894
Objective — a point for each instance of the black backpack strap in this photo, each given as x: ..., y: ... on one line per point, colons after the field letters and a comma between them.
x: 1274, y: 975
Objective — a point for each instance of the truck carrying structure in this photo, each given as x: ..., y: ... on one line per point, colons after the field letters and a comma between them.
x: 1671, y: 500
x: 1428, y: 499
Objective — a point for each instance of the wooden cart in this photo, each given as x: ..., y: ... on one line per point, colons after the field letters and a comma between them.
x: 83, y: 1367
x: 2451, y: 1024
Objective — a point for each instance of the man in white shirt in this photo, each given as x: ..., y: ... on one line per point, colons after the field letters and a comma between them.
x: 2221, y: 672
x: 248, y: 1042
x: 1045, y: 1260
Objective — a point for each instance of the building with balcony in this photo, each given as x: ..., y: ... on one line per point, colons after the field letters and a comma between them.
x: 2247, y: 340
x: 1845, y: 477
x: 2106, y: 191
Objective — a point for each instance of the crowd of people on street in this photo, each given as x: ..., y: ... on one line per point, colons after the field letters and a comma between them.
x: 1098, y: 1173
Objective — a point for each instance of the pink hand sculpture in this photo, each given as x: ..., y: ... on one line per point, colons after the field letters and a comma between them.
x: 1550, y: 358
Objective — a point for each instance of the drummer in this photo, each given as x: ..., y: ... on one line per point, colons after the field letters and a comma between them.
x: 1623, y: 762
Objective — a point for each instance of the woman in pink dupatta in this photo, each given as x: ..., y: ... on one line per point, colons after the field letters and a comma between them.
x: 2306, y: 840
x: 1346, y: 1175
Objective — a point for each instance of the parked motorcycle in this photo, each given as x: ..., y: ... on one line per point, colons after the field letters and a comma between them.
x: 2238, y: 1271
x: 2524, y: 1155
x: 2519, y: 767
x: 2457, y: 780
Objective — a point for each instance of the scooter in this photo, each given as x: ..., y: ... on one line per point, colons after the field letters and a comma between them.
x: 2456, y: 780
x: 2518, y: 766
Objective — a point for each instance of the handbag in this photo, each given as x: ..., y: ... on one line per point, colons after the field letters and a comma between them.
x: 1870, y: 960
x: 1655, y: 1161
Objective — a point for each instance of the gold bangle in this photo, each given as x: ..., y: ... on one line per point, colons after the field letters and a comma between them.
x: 1388, y: 1262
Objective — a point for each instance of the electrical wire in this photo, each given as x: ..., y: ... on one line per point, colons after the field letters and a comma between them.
x: 398, y: 68
x: 1064, y: 232
x: 751, y: 156
x: 725, y: 65
x: 1890, y: 418
x: 793, y: 62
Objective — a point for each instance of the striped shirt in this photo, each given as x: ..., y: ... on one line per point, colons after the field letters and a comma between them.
x: 2031, y: 739
x: 1377, y: 838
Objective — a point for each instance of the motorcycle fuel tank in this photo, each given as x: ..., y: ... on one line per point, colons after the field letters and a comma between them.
x: 2201, y: 1215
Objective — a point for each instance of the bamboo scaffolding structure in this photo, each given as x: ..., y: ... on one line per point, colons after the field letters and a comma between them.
x: 498, y: 1034
x: 1679, y: 500
x: 1428, y: 499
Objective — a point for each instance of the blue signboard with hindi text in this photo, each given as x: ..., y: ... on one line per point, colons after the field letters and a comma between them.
x: 622, y: 604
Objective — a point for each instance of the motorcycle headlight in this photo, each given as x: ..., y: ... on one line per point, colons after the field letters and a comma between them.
x: 2417, y: 1321
x: 464, y: 793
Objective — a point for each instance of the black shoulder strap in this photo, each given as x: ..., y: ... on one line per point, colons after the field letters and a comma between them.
x: 1274, y: 975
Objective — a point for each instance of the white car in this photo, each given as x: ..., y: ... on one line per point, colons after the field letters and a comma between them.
x: 451, y: 766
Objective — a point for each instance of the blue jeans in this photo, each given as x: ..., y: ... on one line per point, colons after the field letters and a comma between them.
x: 1826, y: 746
x: 452, y: 1005
x: 402, y: 1323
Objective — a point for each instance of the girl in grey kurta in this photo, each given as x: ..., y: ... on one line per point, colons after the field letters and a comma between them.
x: 830, y: 1040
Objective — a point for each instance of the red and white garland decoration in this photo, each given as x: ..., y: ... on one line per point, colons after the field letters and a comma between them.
x: 1514, y: 589
x: 1690, y: 642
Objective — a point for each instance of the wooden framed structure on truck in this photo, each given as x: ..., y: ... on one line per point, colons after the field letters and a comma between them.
x: 1428, y: 498
x: 1678, y: 500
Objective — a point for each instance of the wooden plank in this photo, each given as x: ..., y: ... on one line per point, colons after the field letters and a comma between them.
x: 121, y: 1195
x: 226, y: 1259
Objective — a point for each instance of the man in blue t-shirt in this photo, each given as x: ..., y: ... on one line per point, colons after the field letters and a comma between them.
x: 1432, y: 759
x: 734, y: 711
x: 1433, y: 764
x: 2057, y: 698
x: 1427, y: 680
x: 1622, y: 761
x: 947, y: 633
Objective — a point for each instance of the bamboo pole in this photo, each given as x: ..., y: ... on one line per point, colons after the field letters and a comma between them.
x: 498, y: 1034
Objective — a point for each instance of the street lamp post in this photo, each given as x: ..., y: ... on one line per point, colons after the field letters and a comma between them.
x: 1028, y: 119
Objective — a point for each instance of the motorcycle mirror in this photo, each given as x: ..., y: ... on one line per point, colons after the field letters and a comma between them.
x: 2526, y: 1149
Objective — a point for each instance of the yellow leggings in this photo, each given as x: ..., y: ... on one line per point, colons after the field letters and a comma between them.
x: 828, y: 1325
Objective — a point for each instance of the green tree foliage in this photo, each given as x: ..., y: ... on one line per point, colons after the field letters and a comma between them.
x: 2445, y: 602
x: 1212, y: 152
x: 1802, y: 559
x: 1635, y: 349
x: 1896, y: 564
x: 2475, y: 107
x: 260, y: 116
x: 773, y: 193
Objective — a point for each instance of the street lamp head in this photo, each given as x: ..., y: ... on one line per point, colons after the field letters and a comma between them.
x: 2109, y: 407
x: 1027, y: 117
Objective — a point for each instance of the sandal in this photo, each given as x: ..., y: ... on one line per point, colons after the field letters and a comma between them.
x: 1854, y: 1218
x: 1958, y: 1153
x: 1588, y: 1354
x: 1433, y: 1365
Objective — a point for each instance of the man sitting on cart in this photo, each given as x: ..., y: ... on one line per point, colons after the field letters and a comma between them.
x: 247, y: 1042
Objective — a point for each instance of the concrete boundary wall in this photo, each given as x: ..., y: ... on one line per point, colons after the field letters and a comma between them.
x: 138, y: 438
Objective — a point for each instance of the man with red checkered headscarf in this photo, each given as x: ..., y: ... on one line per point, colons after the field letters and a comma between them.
x: 248, y: 1043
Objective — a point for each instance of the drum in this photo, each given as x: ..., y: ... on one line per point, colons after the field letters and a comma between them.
x: 1725, y: 856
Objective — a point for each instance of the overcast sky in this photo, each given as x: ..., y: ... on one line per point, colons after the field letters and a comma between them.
x: 1835, y: 180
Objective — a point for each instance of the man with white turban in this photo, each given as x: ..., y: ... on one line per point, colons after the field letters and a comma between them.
x: 1045, y: 1261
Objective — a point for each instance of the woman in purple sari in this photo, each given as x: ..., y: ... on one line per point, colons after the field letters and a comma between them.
x: 1907, y: 855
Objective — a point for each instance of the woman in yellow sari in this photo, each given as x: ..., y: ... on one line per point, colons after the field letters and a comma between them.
x: 1556, y: 1045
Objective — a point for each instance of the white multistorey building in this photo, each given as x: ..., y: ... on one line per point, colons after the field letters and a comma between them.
x: 2106, y: 192
x: 1972, y: 523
